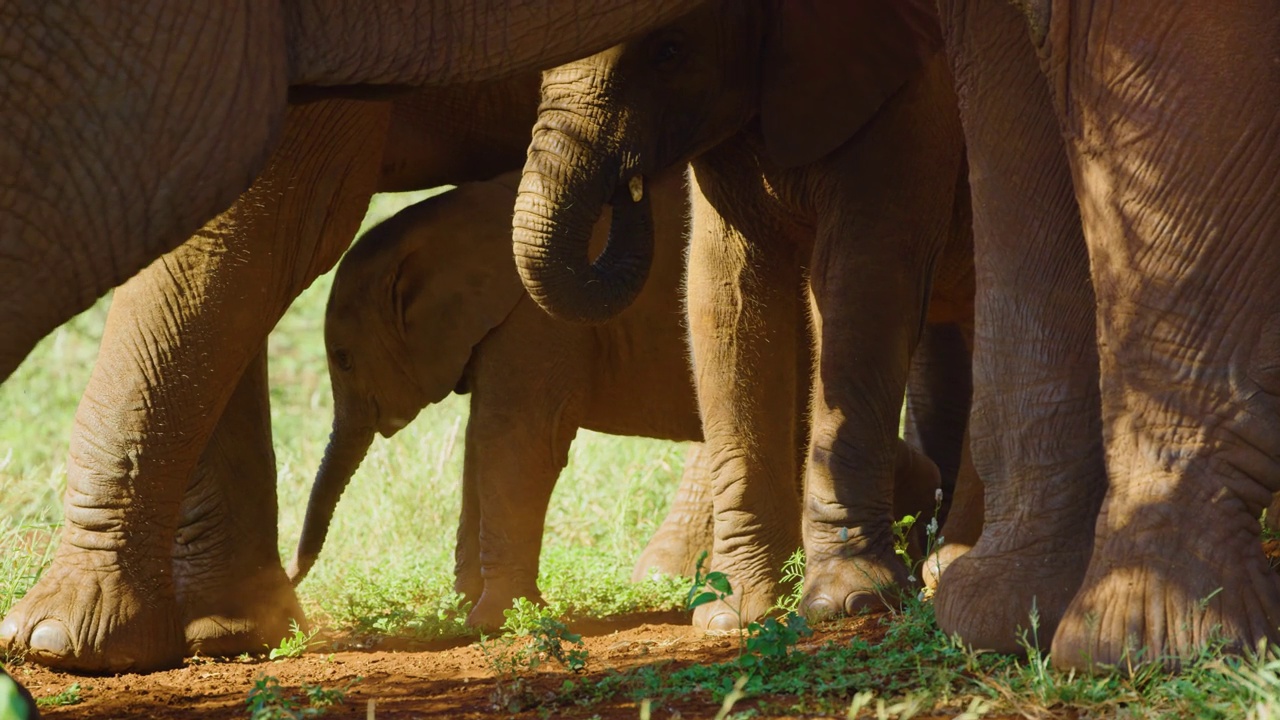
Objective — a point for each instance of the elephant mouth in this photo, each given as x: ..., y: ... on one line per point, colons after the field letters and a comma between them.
x: 391, y: 425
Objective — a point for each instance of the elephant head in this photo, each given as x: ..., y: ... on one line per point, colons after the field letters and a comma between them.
x: 409, y: 303
x: 805, y: 75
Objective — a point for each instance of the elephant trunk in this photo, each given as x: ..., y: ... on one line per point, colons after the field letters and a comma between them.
x: 566, y: 182
x: 347, y: 448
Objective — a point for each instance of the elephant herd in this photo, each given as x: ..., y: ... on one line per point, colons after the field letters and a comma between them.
x: 1050, y: 225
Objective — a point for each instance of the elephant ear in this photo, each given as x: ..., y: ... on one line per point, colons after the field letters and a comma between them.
x: 456, y: 282
x: 830, y: 64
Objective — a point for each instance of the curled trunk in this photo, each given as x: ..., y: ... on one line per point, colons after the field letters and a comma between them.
x: 342, y: 457
x: 565, y: 185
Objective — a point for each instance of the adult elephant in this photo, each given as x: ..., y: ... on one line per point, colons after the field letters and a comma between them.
x: 127, y: 126
x: 1126, y: 185
x: 170, y: 542
x: 827, y: 165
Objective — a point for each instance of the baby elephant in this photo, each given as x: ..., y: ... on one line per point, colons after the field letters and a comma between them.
x: 428, y: 303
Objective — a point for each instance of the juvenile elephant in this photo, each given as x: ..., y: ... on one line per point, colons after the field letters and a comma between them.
x: 126, y: 127
x: 429, y: 303
x: 1126, y: 177
x: 829, y: 194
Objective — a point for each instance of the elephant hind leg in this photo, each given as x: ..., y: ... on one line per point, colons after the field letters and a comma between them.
x: 687, y: 530
x: 231, y: 590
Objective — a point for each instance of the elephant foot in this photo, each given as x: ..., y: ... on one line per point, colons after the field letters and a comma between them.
x: 672, y: 553
x: 239, y: 613
x: 754, y: 579
x: 990, y: 594
x: 747, y: 604
x: 91, y: 619
x: 470, y: 585
x: 937, y: 563
x: 842, y: 583
x: 499, y: 595
x: 1154, y: 596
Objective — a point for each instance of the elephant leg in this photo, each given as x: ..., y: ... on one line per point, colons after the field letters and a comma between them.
x: 963, y: 525
x: 1175, y: 149
x: 939, y: 394
x: 524, y: 416
x: 231, y: 590
x: 687, y: 530
x: 745, y: 327
x: 467, y: 580
x: 1035, y: 429
x: 880, y: 233
x: 178, y: 339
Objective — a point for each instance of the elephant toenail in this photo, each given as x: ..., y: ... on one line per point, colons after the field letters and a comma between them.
x: 820, y: 608
x: 858, y: 602
x: 50, y: 639
x: 722, y: 622
x: 8, y: 631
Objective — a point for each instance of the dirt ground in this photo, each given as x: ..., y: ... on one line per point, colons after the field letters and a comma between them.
x: 454, y: 682
x: 447, y: 680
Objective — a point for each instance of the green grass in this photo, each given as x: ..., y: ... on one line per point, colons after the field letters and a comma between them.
x: 387, y: 567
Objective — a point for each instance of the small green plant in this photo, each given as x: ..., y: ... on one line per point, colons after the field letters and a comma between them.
x: 268, y: 701
x: 295, y: 644
x: 902, y: 538
x: 793, y: 576
x: 773, y: 640
x: 708, y: 587
x: 69, y: 696
x: 531, y: 635
x: 762, y: 641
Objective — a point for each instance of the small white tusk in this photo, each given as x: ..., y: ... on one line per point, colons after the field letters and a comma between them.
x: 636, y: 186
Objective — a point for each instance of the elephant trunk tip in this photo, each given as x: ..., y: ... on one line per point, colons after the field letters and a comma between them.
x: 299, y: 567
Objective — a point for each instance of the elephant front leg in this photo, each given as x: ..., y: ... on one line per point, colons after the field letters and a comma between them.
x: 177, y: 341
x: 883, y: 213
x: 856, y: 463
x: 1181, y: 217
x: 231, y: 590
x: 1035, y: 430
x: 745, y: 325
x: 523, y: 420
x: 108, y: 603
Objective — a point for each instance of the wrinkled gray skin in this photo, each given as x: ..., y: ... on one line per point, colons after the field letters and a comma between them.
x: 100, y: 179
x: 1126, y: 171
x: 828, y: 193
x: 429, y: 303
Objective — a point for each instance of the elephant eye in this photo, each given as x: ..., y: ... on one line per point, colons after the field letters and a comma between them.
x: 668, y: 54
x: 342, y: 359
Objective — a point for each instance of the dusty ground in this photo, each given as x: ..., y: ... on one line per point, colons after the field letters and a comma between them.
x: 452, y: 680
x: 412, y: 683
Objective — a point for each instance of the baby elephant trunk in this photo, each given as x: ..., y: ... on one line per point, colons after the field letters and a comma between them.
x: 342, y: 457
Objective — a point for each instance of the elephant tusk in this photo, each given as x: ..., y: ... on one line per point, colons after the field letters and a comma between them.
x: 636, y: 186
